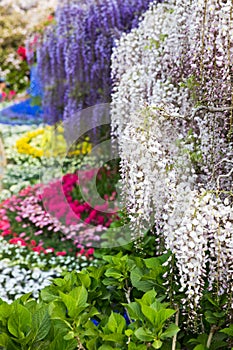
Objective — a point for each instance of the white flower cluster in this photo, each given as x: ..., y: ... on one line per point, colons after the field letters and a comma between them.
x: 200, y: 234
x: 151, y: 163
x: 171, y: 154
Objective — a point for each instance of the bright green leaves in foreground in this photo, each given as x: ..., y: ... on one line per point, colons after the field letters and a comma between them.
x: 120, y: 304
x: 151, y: 317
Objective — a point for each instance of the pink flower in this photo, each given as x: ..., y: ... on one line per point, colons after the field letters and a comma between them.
x: 100, y: 220
x: 23, y: 234
x: 4, y: 95
x: 11, y: 94
x: 4, y: 225
x: 93, y: 214
x: 50, y: 18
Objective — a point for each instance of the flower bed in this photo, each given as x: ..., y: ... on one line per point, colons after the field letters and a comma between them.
x: 24, y: 169
x: 23, y: 271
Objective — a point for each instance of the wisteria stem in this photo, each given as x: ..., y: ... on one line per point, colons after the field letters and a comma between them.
x: 127, y: 295
x: 212, y: 331
x: 175, y: 336
x: 211, y: 109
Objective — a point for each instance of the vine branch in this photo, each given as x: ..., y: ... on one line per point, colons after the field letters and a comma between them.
x: 210, y: 109
x: 177, y: 324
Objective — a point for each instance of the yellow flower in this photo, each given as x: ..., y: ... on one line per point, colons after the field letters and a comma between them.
x: 49, y: 142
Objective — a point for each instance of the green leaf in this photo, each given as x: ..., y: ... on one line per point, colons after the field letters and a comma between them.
x: 57, y: 309
x: 105, y: 347
x: 136, y: 277
x: 84, y: 279
x: 210, y: 318
x: 60, y: 343
x: 49, y: 294
x: 219, y: 314
x: 211, y: 300
x: 81, y: 295
x: 69, y: 336
x: 128, y: 332
x: 149, y: 297
x: 166, y: 314
x: 41, y: 323
x: 144, y: 335
x: 170, y: 331
x: 4, y: 339
x: 157, y: 344
x: 5, y: 311
x: 150, y: 314
x: 7, y: 343
x: 114, y: 273
x: 75, y: 301
x: 19, y: 322
x: 116, y: 323
x: 200, y: 347
x: 202, y: 338
x: 115, y: 338
x: 133, y: 346
x: 134, y: 310
x: 228, y: 331
x: 24, y: 298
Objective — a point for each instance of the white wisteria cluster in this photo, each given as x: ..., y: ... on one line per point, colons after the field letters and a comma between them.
x: 152, y: 163
x: 200, y: 235
x: 181, y: 54
x: 173, y: 120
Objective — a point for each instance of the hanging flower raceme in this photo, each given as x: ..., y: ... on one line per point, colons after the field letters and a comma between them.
x: 198, y: 230
x: 176, y: 153
x: 74, y: 58
x: 170, y: 58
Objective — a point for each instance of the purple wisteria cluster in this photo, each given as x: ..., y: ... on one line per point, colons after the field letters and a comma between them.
x: 75, y: 54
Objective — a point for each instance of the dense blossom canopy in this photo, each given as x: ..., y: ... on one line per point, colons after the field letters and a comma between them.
x: 74, y: 58
x: 173, y: 99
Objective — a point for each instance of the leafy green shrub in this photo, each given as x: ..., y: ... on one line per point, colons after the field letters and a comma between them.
x: 111, y: 306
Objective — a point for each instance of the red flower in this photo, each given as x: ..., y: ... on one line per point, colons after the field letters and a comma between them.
x: 90, y: 251
x: 6, y: 233
x: 33, y: 242
x: 81, y: 252
x: 39, y: 249
x: 22, y: 52
x: 19, y: 241
x: 61, y: 253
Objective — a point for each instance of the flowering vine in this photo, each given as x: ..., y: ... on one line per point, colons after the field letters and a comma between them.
x: 75, y: 54
x: 172, y: 119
